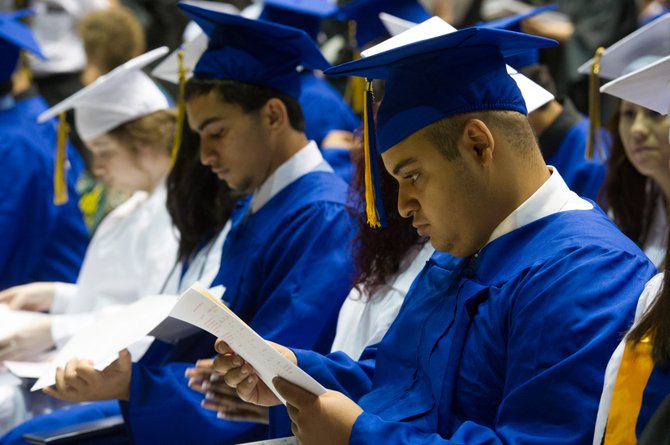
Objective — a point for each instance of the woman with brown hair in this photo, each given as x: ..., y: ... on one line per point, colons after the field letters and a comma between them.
x: 129, y: 131
x: 637, y: 380
x: 637, y: 184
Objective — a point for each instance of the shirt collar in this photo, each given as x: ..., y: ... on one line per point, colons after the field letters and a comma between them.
x: 306, y: 160
x: 552, y: 197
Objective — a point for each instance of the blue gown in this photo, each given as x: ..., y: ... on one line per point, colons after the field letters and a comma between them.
x: 289, y: 290
x: 325, y: 109
x: 563, y: 145
x: 512, y: 349
x: 41, y: 241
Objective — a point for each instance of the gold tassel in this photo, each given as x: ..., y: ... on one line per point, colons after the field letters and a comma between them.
x: 370, y: 207
x: 595, y: 138
x: 60, y: 172
x: 181, y: 109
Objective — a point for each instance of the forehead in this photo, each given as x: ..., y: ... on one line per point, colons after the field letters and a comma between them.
x: 210, y: 107
x: 103, y: 142
x: 411, y: 150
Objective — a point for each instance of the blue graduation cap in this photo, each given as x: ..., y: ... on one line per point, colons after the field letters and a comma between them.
x: 513, y: 23
x: 253, y: 51
x: 301, y: 14
x: 15, y: 36
x: 366, y: 15
x: 432, y: 79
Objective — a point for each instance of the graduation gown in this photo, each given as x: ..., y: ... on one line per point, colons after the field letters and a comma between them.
x: 289, y: 290
x: 511, y: 348
x: 41, y: 241
x: 563, y: 145
x: 634, y: 386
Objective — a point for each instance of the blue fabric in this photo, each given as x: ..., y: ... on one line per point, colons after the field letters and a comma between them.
x: 64, y: 418
x: 254, y: 51
x: 15, y: 36
x: 513, y: 23
x: 369, y: 26
x: 657, y: 389
x: 41, y: 241
x: 299, y: 14
x: 340, y: 160
x: 584, y: 176
x: 512, y: 350
x: 272, y: 267
x: 324, y: 108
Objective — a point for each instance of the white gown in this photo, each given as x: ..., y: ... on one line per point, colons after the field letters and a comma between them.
x: 364, y: 322
x: 130, y: 256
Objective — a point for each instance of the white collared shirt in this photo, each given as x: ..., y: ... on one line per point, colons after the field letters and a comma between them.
x: 307, y: 160
x: 552, y: 197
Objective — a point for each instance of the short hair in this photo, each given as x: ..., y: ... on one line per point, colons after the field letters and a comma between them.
x: 249, y: 97
x: 511, y: 125
x: 155, y: 129
x: 112, y: 36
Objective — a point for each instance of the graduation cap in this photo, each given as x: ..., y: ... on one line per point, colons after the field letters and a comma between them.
x: 365, y: 13
x: 253, y: 51
x: 648, y: 86
x: 513, y: 23
x: 15, y: 36
x: 301, y: 14
x: 652, y: 39
x: 122, y: 95
x: 432, y: 79
x: 533, y: 94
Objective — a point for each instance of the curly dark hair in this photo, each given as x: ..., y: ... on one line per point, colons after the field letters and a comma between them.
x: 198, y: 202
x: 379, y: 252
x: 629, y: 195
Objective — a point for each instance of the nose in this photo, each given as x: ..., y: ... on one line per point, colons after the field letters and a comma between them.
x: 407, y: 204
x: 640, y: 127
x: 98, y: 168
x: 207, y: 153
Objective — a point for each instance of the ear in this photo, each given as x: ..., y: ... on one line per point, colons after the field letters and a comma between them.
x: 477, y: 142
x: 274, y: 114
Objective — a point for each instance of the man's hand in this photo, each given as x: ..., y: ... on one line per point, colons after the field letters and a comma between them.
x: 29, y: 297
x: 325, y: 420
x: 240, y: 375
x: 29, y: 342
x: 222, y: 398
x: 81, y: 382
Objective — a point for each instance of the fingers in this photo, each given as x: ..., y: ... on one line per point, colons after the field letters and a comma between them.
x: 222, y: 347
x: 247, y: 389
x: 294, y: 395
x: 225, y: 363
x: 6, y: 296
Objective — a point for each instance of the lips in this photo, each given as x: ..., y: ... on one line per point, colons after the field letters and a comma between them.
x: 422, y: 229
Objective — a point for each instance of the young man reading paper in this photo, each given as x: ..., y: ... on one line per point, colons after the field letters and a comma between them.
x: 514, y: 347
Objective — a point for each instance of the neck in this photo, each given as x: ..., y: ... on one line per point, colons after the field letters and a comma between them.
x: 663, y: 183
x: 286, y: 146
x: 159, y: 170
x: 520, y: 182
x: 541, y: 119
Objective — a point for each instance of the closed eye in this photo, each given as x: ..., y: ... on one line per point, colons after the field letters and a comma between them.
x: 412, y: 177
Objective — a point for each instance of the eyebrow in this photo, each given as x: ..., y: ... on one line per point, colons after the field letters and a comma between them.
x: 402, y: 164
x: 208, y: 121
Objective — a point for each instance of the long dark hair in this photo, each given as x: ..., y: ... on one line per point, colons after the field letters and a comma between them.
x: 656, y: 321
x: 198, y: 202
x: 380, y: 252
x: 629, y: 195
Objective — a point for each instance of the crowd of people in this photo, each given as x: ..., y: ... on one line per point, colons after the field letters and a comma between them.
x: 452, y: 215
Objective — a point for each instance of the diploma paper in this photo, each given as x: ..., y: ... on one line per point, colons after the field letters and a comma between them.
x: 198, y: 307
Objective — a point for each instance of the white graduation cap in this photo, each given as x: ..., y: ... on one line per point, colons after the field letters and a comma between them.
x: 653, y: 39
x: 168, y: 69
x: 121, y: 95
x: 405, y: 32
x: 648, y: 86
